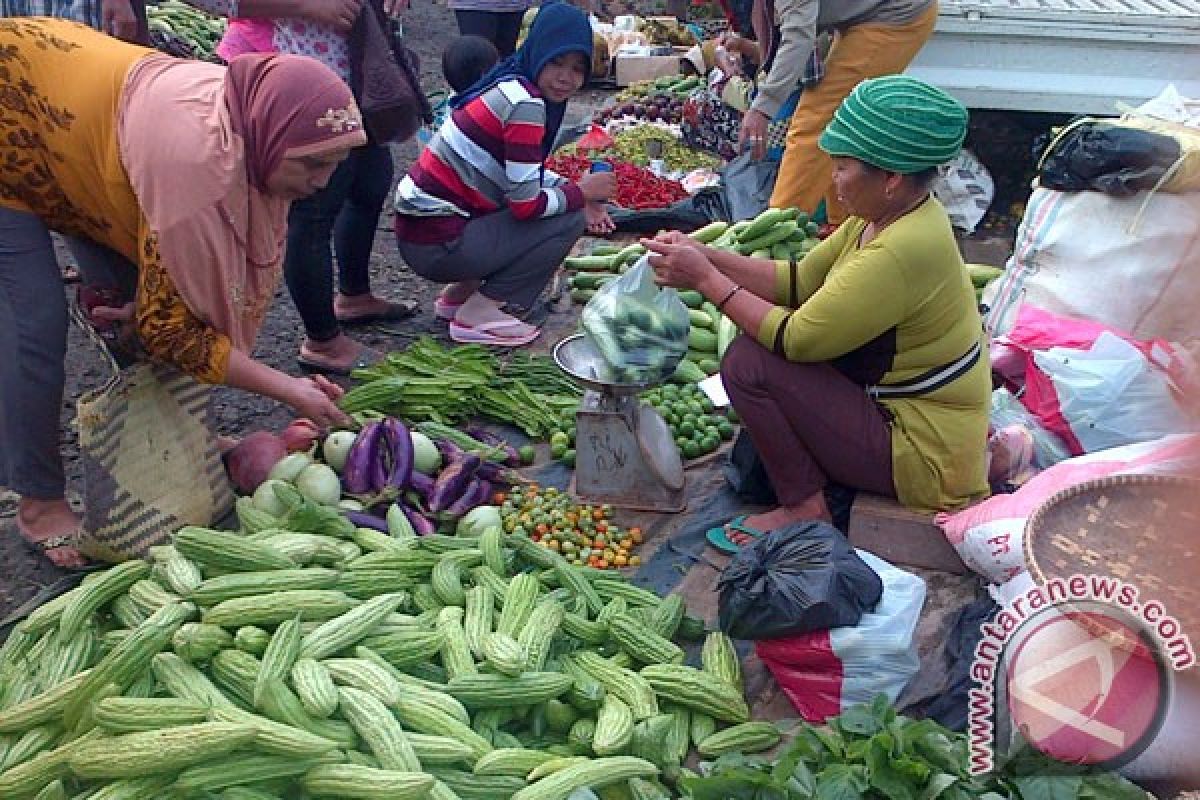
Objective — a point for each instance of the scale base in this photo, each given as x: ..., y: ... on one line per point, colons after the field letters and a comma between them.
x: 622, y: 459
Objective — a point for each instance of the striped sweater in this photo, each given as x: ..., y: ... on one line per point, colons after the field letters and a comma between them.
x: 487, y: 155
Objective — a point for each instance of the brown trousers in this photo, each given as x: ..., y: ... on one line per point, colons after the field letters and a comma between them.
x: 809, y: 423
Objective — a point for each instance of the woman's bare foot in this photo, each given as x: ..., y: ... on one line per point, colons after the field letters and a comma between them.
x: 355, y: 308
x: 47, y: 521
x: 338, y: 355
x: 813, y: 508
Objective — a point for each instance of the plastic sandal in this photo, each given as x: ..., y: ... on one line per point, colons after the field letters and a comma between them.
x: 483, y: 334
x: 718, y: 537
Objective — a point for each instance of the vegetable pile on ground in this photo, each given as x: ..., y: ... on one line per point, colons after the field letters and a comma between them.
x: 871, y: 752
x: 385, y: 476
x: 181, y: 30
x: 344, y: 662
x: 630, y: 145
x: 657, y: 101
x: 585, y: 535
x: 637, y: 188
x: 430, y: 381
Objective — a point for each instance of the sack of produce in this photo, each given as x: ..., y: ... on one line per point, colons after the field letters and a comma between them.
x: 639, y: 329
x: 800, y: 578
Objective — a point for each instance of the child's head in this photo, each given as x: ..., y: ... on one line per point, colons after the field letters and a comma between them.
x: 466, y: 59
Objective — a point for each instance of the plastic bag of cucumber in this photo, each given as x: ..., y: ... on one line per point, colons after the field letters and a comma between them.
x: 639, y: 329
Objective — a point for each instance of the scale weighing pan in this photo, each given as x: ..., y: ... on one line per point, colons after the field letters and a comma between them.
x: 577, y: 356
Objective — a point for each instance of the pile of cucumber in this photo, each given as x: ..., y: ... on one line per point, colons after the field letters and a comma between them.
x: 183, y: 30
x: 780, y: 234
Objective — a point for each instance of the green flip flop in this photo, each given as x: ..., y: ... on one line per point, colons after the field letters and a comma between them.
x: 719, y: 538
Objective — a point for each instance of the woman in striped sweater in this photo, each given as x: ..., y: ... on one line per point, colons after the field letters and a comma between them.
x: 479, y: 212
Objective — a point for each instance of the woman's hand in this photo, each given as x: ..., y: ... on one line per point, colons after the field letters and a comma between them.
x: 754, y: 134
x: 337, y: 14
x: 316, y: 398
x: 598, y: 220
x: 598, y: 186
x: 679, y: 264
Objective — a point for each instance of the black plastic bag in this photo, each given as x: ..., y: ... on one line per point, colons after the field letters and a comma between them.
x: 805, y: 577
x: 684, y: 215
x: 1109, y: 158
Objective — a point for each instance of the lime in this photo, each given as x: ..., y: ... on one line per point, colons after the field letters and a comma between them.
x: 690, y: 449
x: 571, y: 435
x: 733, y: 415
x: 706, y: 404
x: 568, y: 458
x: 527, y: 454
x: 680, y: 442
x: 725, y: 427
x: 559, y: 438
x: 711, y: 443
x: 687, y: 428
x: 556, y: 451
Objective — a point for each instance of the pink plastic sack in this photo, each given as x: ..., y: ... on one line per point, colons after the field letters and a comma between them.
x: 989, y: 537
x: 823, y: 673
x: 1036, y: 354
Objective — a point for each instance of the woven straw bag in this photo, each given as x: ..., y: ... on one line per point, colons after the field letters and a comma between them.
x: 150, y: 458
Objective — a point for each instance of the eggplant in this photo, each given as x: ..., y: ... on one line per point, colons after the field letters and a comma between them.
x: 452, y: 481
x: 420, y: 483
x: 421, y: 523
x: 400, y: 450
x: 477, y: 493
x: 498, y: 473
x: 361, y: 461
x: 449, y: 450
x: 362, y: 519
x: 511, y: 457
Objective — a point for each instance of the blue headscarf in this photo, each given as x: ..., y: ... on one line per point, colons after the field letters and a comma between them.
x: 557, y: 29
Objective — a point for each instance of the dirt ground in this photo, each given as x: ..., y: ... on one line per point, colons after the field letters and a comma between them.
x: 429, y: 27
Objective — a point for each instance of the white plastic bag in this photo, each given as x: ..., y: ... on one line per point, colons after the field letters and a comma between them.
x: 1112, y: 394
x: 965, y: 188
x: 1081, y: 255
x: 825, y: 672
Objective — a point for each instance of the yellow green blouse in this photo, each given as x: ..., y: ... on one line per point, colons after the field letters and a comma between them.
x: 59, y: 160
x: 888, y: 312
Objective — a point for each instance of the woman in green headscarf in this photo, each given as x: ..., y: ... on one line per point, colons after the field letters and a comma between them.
x: 865, y: 363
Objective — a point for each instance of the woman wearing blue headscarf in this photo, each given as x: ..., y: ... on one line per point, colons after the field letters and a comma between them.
x: 478, y: 210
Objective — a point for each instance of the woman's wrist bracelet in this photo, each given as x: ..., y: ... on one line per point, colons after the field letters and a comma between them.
x: 729, y: 296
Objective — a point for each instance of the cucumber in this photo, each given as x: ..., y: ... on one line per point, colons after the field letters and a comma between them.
x: 763, y: 223
x: 777, y: 234
x: 688, y: 372
x: 780, y: 251
x: 702, y: 340
x: 582, y: 296
x: 590, y: 263
x: 589, y: 280
x: 710, y: 232
x: 700, y: 319
x: 691, y: 298
x: 605, y: 250
x: 709, y: 366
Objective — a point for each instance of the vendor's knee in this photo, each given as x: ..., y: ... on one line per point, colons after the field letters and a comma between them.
x: 743, y: 362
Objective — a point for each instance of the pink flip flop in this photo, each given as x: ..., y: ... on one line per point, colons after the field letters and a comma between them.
x: 483, y: 334
x: 445, y: 309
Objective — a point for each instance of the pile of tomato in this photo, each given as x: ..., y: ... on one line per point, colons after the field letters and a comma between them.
x: 637, y: 188
x: 584, y: 534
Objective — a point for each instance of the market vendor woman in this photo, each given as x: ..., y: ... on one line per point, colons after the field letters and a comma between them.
x: 865, y: 362
x: 479, y: 212
x: 183, y: 173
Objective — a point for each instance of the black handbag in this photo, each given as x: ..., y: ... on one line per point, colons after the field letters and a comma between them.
x: 384, y: 74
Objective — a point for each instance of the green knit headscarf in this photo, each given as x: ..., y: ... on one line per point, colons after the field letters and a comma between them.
x: 897, y: 123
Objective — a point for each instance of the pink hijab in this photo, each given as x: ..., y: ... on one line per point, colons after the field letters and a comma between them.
x: 199, y: 143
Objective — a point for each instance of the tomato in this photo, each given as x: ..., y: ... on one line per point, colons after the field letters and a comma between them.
x: 542, y: 529
x: 621, y: 560
x: 635, y: 534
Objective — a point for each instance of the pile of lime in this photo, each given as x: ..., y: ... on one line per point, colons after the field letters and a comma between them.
x: 585, y: 535
x: 697, y: 427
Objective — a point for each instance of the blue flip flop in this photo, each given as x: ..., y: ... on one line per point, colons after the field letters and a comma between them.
x: 719, y: 539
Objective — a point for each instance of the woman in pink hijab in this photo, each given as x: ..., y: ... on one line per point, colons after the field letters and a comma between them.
x: 183, y: 173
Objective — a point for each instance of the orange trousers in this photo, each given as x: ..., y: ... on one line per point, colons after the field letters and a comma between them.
x: 861, y: 52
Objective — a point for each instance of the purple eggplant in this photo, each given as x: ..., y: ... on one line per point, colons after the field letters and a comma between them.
x: 400, y: 451
x: 362, y: 519
x: 449, y: 450
x: 420, y: 483
x: 511, y: 457
x: 421, y: 523
x: 498, y: 473
x: 361, y: 461
x: 477, y: 493
x: 452, y: 481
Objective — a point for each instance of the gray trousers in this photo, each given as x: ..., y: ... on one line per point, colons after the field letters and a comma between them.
x: 514, y: 258
x: 33, y: 344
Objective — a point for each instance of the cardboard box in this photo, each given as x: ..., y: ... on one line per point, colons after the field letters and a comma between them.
x: 631, y: 69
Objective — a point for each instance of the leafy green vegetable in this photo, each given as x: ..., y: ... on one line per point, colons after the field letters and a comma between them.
x: 872, y: 753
